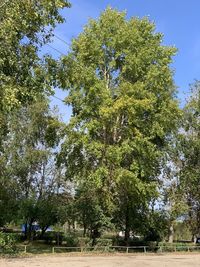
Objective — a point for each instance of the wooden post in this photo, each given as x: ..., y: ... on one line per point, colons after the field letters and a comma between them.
x: 127, y: 250
x: 53, y: 250
x: 25, y: 249
x: 145, y: 250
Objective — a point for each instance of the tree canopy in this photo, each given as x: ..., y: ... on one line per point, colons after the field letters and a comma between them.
x: 122, y: 94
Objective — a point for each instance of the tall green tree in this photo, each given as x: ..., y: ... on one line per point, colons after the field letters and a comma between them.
x: 189, y: 153
x: 25, y: 26
x: 124, y: 108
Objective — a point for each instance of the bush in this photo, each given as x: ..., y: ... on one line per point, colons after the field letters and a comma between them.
x: 103, y: 242
x: 71, y: 240
x: 53, y: 237
x: 8, y: 243
x: 84, y: 242
x: 119, y: 241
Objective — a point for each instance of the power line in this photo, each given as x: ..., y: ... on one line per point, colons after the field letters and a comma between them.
x: 59, y: 38
x: 58, y: 98
x: 61, y: 53
x: 58, y: 51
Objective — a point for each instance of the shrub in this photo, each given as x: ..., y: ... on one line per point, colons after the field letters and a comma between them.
x: 71, y: 240
x: 8, y: 243
x: 84, y: 242
x: 53, y: 237
x: 103, y: 242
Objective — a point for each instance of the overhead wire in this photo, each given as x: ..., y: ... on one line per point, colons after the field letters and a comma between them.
x: 55, y: 49
x: 62, y: 40
x: 58, y: 51
x: 61, y: 53
x: 58, y: 98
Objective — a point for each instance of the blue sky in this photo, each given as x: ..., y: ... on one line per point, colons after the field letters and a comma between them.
x: 178, y: 20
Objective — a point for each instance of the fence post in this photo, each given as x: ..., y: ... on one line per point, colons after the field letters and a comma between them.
x: 188, y: 249
x: 175, y: 248
x: 145, y: 250
x: 25, y: 249
x: 127, y: 250
x: 53, y: 250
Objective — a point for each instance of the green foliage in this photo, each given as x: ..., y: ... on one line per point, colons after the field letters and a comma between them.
x: 8, y: 243
x: 182, y: 232
x: 189, y: 148
x: 90, y: 213
x: 29, y: 167
x: 8, y: 200
x: 124, y: 113
x: 53, y: 237
x: 102, y: 242
x: 71, y: 240
x: 156, y: 226
x: 25, y: 27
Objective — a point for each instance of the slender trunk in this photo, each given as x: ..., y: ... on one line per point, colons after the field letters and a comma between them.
x: 194, y: 239
x: 58, y: 238
x: 69, y: 226
x: 43, y: 231
x: 30, y: 230
x: 74, y: 226
x: 127, y: 226
x: 26, y: 231
x: 84, y: 229
x: 171, y: 233
x: 95, y: 235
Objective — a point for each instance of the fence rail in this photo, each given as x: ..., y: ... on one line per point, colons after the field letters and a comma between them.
x: 129, y: 249
x: 111, y: 249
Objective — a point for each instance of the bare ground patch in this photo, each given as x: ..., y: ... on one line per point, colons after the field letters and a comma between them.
x: 169, y: 260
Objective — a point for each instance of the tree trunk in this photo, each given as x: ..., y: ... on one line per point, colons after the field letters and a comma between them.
x: 127, y: 226
x: 26, y: 231
x: 43, y: 231
x: 194, y: 239
x: 171, y: 233
x: 84, y: 230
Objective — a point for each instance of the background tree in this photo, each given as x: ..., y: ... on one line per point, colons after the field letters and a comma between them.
x: 124, y: 110
x: 25, y: 26
x: 30, y: 160
x: 90, y: 211
x: 189, y: 151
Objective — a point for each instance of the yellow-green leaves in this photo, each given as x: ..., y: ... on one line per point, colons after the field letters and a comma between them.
x: 24, y: 27
x: 122, y: 93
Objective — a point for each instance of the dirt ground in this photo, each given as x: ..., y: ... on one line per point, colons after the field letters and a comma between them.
x: 169, y: 260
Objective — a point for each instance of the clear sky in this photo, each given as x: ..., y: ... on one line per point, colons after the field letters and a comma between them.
x: 178, y: 20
